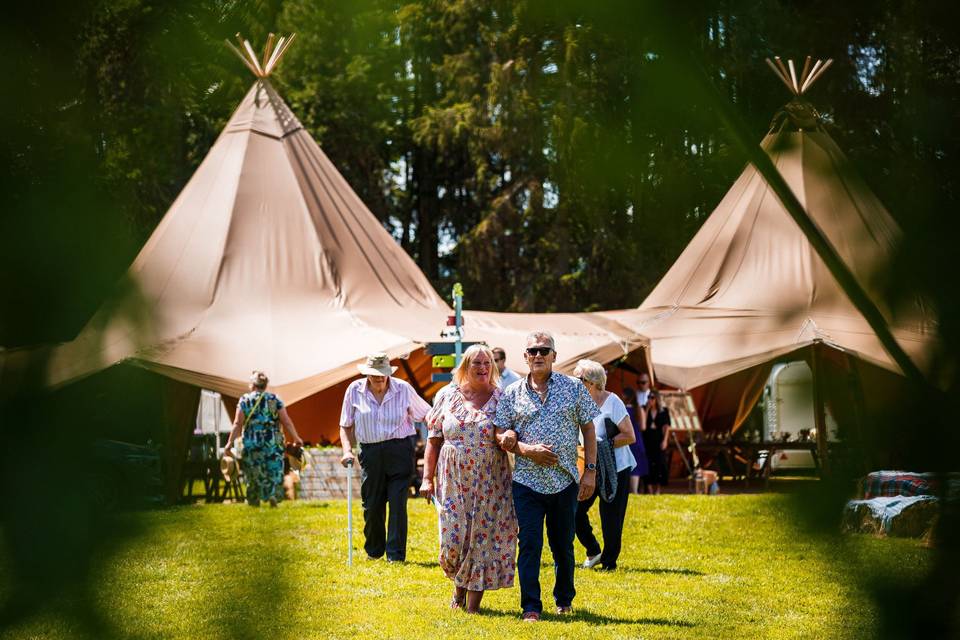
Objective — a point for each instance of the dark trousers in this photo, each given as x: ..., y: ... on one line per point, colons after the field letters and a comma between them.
x: 558, y: 510
x: 385, y: 478
x: 612, y: 515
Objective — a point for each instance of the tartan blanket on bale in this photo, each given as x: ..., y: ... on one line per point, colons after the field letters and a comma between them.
x: 898, y: 503
x: 898, y: 483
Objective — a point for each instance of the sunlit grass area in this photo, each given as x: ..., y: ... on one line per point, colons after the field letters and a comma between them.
x: 692, y: 567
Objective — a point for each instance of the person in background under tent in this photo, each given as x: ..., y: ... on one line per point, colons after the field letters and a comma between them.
x: 638, y: 419
x: 655, y: 442
x: 507, y: 375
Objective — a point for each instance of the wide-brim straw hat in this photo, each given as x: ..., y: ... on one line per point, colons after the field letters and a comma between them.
x: 297, y: 457
x: 229, y: 468
x: 377, y: 364
x: 306, y: 461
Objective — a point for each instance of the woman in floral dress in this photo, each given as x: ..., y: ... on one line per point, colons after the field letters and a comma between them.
x: 469, y: 476
x: 259, y: 417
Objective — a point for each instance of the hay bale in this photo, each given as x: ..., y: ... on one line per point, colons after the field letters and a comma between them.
x: 914, y: 520
x: 860, y: 517
x: 901, y: 516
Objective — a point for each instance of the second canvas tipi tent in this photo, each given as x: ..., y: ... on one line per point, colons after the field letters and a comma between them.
x: 749, y: 288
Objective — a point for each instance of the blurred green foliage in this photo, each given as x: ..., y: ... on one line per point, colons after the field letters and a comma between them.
x: 550, y: 156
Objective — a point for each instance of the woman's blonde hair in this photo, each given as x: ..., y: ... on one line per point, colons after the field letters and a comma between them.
x: 592, y: 372
x: 460, y: 373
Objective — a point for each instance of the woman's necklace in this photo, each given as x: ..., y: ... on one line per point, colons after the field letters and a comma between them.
x: 472, y: 396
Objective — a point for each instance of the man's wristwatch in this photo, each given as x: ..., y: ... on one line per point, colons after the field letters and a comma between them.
x: 591, y: 466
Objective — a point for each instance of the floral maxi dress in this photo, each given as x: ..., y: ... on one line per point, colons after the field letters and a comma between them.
x: 478, y: 527
x: 262, y: 460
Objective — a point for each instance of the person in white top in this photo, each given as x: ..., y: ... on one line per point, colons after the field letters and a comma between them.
x: 643, y: 392
x: 611, y: 513
x: 507, y: 375
x: 378, y: 412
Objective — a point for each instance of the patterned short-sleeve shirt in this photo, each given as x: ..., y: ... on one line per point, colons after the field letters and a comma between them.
x: 555, y: 421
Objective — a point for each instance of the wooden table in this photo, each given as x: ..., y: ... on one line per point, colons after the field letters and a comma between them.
x: 771, y: 448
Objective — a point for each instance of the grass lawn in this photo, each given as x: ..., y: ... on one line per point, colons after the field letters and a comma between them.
x: 692, y: 567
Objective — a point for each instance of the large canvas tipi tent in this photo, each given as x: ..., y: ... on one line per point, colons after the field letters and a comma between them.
x: 268, y: 259
x: 749, y: 287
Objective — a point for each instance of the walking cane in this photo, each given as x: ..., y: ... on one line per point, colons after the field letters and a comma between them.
x: 350, y: 512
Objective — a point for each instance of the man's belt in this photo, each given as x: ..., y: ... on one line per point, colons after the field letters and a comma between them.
x: 375, y: 444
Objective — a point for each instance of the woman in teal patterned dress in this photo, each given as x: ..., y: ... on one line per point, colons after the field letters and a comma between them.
x: 259, y: 416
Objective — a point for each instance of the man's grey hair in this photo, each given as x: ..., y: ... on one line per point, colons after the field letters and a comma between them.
x: 538, y: 336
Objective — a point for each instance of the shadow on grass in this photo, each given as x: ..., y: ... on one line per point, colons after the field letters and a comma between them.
x: 318, y: 504
x: 247, y: 605
x: 56, y: 531
x: 656, y: 570
x: 583, y: 615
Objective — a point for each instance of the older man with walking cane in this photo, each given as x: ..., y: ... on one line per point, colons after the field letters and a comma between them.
x: 543, y: 417
x: 378, y: 412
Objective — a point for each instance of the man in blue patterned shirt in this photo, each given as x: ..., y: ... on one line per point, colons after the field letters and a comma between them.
x: 542, y: 418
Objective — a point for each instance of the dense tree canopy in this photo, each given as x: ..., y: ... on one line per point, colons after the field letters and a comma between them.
x: 547, y: 155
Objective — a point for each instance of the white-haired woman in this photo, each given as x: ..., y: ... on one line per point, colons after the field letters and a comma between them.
x: 259, y: 417
x: 468, y: 473
x: 611, y: 513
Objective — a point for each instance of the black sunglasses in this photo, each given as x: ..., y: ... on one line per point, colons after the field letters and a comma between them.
x: 538, y: 351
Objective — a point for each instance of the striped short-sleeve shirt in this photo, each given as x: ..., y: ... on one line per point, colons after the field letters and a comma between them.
x: 380, y: 421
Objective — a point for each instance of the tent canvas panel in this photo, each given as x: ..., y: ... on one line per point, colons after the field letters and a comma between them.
x: 577, y: 336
